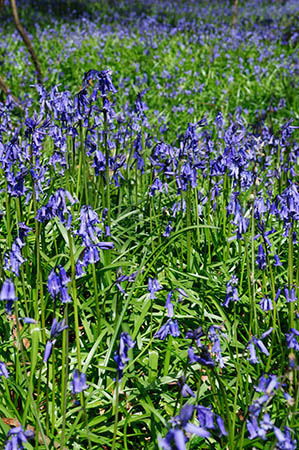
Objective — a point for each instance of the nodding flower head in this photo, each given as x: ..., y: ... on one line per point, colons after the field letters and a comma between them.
x: 8, y: 294
x: 78, y: 384
x: 261, y: 258
x: 102, y: 81
x: 121, y: 355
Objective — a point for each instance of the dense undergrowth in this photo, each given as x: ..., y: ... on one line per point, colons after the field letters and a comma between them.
x: 148, y: 227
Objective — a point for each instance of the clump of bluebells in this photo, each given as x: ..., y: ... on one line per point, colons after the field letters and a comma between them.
x: 101, y: 207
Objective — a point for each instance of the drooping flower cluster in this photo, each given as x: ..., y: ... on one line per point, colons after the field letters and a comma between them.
x: 209, y: 420
x: 205, y: 355
x: 180, y: 428
x: 121, y: 355
x: 57, y: 284
x: 259, y: 422
x: 56, y: 329
x: 14, y: 258
x: 258, y: 342
x: 17, y: 437
x: 90, y: 233
x: 231, y: 291
x: 56, y: 207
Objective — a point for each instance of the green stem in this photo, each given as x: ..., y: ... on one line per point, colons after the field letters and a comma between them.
x: 290, y: 278
x: 167, y: 356
x: 53, y: 416
x: 64, y: 376
x: 75, y: 300
x: 8, y: 218
x: 116, y: 411
x: 96, y: 296
x: 188, y: 206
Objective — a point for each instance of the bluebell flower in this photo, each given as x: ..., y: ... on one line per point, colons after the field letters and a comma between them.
x: 91, y: 255
x: 153, y: 287
x: 216, y: 349
x: 129, y: 278
x: 8, y: 291
x: 231, y: 292
x: 182, y: 294
x: 105, y: 245
x: 219, y: 121
x: 195, y: 335
x: 80, y: 268
x: 266, y: 304
x: 78, y: 383
x: 14, y: 258
x: 88, y: 230
x: 207, y: 419
x: 170, y: 327
x: 29, y: 320
x: 277, y: 294
x: 290, y: 294
x: 3, y: 370
x: 140, y: 106
x: 101, y: 79
x: 176, y: 437
x: 56, y: 329
x: 56, y: 207
x: 57, y: 284
x: 260, y: 429
x: 48, y: 351
x: 267, y: 385
x: 289, y: 206
x: 24, y: 230
x: 252, y: 353
x: 277, y: 261
x: 256, y: 407
x: 241, y: 222
x: 53, y: 284
x: 169, y: 305
x: 81, y: 103
x: 292, y: 338
x: 258, y: 342
x: 17, y: 437
x: 99, y: 162
x: 184, y: 388
x: 221, y: 426
x: 264, y: 234
x: 284, y: 440
x: 8, y: 294
x: 168, y: 230
x: 261, y: 258
x: 233, y: 205
x: 260, y: 208
x: 157, y: 185
x: 121, y: 355
x: 204, y: 359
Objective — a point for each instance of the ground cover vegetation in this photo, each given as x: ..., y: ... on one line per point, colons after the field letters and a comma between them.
x: 148, y: 226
